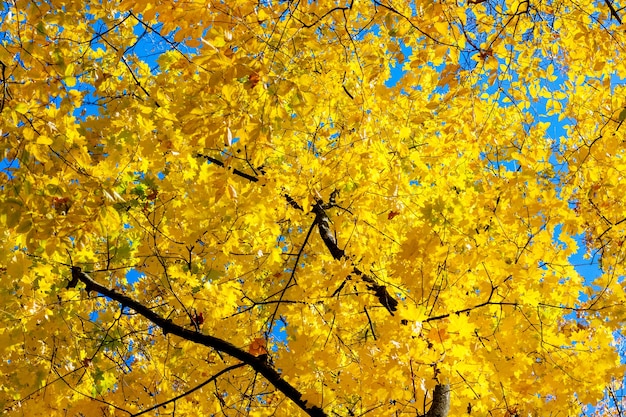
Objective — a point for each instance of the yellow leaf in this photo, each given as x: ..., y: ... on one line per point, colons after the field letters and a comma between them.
x: 69, y: 70
x: 21, y: 108
x: 44, y: 140
x: 70, y: 81
x: 229, y: 137
x: 442, y: 28
x: 232, y: 192
x: 405, y: 132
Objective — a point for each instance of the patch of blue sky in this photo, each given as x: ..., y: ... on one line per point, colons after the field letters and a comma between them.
x: 397, y: 68
x: 279, y: 333
x: 8, y: 166
x: 148, y: 47
x: 133, y: 276
x: 586, y: 265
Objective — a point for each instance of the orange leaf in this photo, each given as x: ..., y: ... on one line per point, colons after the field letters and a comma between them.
x: 257, y: 347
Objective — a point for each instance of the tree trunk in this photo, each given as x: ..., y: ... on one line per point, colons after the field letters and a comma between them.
x: 441, y: 402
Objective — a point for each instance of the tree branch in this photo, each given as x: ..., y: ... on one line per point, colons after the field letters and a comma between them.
x: 259, y: 364
x: 613, y: 11
x: 197, y: 387
x: 217, y: 162
x: 323, y: 225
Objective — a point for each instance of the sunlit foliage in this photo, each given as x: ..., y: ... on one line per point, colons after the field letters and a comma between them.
x: 233, y: 207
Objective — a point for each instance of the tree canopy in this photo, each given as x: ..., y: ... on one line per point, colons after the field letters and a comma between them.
x: 233, y: 208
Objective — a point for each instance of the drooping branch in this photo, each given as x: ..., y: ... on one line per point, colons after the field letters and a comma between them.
x: 440, y: 405
x: 259, y: 364
x: 292, y: 278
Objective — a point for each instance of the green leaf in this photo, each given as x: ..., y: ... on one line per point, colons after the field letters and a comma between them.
x: 41, y: 28
x: 24, y: 226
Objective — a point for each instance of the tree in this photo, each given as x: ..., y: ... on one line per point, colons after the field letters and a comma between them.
x: 231, y: 208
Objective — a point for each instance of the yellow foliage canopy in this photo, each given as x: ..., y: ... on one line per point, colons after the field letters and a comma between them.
x: 232, y: 208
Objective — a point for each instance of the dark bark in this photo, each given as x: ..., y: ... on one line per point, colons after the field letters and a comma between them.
x: 440, y: 406
x: 258, y: 363
x: 323, y: 225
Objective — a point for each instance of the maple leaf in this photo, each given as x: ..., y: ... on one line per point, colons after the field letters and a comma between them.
x: 257, y: 347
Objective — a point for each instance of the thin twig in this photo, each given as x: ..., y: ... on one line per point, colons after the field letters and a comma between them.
x: 197, y: 387
x: 259, y: 364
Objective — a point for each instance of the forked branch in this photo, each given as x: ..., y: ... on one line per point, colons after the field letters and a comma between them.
x: 323, y: 224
